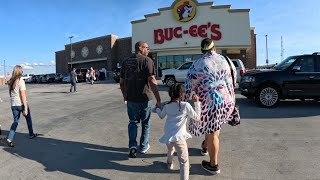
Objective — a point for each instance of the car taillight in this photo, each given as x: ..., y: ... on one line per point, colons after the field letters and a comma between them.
x: 241, y: 72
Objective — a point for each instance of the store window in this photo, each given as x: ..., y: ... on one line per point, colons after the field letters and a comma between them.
x: 187, y: 58
x: 178, y: 61
x: 162, y: 60
x: 169, y: 62
x: 196, y: 57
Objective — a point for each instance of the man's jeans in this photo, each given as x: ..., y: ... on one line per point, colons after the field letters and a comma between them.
x: 139, y: 112
x: 73, y: 86
x: 16, y: 111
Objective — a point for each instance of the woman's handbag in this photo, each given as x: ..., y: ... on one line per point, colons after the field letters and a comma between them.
x: 235, y: 115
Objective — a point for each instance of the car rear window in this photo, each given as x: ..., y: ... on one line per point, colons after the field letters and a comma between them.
x: 235, y: 63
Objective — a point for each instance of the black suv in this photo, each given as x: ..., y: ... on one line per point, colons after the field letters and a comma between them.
x: 297, y: 77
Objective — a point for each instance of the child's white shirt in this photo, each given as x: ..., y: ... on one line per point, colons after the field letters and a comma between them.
x: 175, y: 128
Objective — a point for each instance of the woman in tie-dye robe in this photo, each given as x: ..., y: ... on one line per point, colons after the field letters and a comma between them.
x: 210, y: 78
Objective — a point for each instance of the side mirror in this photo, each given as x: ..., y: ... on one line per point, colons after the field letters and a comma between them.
x: 296, y: 69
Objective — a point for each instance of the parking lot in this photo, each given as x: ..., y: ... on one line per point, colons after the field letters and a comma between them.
x: 85, y: 137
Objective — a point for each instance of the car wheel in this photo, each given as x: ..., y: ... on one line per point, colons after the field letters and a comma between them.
x: 170, y: 81
x: 268, y: 96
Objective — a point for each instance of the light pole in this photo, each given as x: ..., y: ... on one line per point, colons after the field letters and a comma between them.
x: 71, y: 51
x: 267, y: 61
x: 4, y: 70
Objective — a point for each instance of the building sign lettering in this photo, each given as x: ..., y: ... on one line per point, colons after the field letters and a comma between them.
x: 206, y: 30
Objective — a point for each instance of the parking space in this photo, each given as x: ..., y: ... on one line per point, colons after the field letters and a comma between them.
x: 85, y: 137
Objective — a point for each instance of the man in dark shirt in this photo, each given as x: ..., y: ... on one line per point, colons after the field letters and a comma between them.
x: 73, y: 80
x: 137, y: 80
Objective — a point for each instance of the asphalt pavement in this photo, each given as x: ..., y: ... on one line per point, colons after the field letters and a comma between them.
x: 84, y: 136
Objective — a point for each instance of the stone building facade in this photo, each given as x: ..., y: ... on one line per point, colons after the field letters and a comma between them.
x: 101, y: 52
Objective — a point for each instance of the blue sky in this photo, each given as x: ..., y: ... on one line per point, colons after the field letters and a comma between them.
x: 31, y: 31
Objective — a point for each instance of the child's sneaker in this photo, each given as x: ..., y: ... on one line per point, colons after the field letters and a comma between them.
x: 204, y: 150
x: 170, y: 165
x: 211, y: 169
x: 132, y: 152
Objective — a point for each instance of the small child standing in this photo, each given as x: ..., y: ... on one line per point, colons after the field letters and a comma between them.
x: 175, y: 130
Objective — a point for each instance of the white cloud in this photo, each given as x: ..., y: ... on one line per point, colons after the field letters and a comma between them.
x: 27, y: 67
x: 41, y: 64
x: 35, y: 64
x: 53, y: 62
x: 27, y: 64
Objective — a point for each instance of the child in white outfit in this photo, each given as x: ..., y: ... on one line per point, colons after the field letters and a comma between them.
x: 175, y: 130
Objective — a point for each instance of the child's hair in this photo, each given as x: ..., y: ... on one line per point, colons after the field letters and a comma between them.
x: 175, y: 92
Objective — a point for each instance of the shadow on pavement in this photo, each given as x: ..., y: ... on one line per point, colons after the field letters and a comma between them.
x: 285, y: 109
x: 65, y: 92
x: 75, y: 157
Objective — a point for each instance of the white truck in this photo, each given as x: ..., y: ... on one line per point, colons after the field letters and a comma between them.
x: 172, y: 76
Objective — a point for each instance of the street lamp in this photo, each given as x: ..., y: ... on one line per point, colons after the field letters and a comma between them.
x: 267, y: 61
x: 4, y: 71
x: 71, y: 51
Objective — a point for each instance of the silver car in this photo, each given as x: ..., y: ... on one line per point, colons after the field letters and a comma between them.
x: 240, y: 68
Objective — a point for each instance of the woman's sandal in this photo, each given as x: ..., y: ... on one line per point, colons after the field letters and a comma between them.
x: 10, y: 143
x: 34, y: 136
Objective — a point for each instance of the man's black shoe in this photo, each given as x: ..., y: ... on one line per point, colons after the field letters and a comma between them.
x: 133, y: 153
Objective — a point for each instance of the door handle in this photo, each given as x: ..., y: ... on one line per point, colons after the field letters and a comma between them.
x: 311, y: 77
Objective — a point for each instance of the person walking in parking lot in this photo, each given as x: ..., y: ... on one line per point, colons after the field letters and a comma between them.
x: 18, y: 98
x: 211, y: 79
x: 137, y: 77
x: 92, y: 75
x: 73, y: 80
x: 175, y: 135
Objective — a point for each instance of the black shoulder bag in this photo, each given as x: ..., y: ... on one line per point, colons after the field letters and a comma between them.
x: 235, y: 115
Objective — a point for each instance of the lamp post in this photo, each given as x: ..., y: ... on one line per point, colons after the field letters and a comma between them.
x: 71, y: 51
x: 4, y: 71
x: 267, y: 61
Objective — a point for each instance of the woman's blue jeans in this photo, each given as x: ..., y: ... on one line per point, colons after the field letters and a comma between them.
x: 17, y: 111
x: 139, y: 112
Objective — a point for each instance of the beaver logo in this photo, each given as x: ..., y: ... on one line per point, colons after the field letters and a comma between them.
x: 184, y: 10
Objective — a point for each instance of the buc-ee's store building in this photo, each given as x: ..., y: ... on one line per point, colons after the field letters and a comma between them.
x: 174, y: 35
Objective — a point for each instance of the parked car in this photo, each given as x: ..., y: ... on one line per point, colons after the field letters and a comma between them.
x: 66, y: 78
x: 116, y: 74
x: 297, y: 77
x: 58, y: 77
x: 38, y: 79
x: 240, y: 68
x: 50, y: 77
x: 27, y: 76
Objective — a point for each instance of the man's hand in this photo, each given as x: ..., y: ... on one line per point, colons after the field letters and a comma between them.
x: 158, y: 104
x: 25, y: 112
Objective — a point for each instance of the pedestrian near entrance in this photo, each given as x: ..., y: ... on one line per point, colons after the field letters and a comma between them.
x: 137, y: 80
x: 73, y: 80
x: 92, y: 75
x: 18, y: 98
x: 210, y: 78
x: 175, y: 131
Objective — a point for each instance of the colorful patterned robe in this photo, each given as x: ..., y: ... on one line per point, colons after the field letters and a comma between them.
x: 210, y: 78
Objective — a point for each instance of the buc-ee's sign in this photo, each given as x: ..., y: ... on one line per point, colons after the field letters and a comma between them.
x: 205, y: 30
